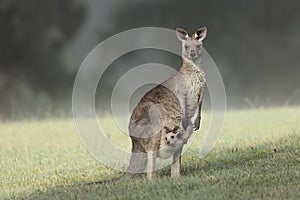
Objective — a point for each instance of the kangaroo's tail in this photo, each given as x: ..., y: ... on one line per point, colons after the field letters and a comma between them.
x: 123, y: 177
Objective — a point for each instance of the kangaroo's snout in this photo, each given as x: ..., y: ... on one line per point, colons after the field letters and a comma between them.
x: 192, y: 54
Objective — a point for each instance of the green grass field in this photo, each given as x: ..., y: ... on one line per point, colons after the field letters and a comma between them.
x: 256, y: 157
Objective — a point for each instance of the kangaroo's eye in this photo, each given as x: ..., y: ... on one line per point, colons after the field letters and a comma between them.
x: 172, y: 136
x: 186, y: 47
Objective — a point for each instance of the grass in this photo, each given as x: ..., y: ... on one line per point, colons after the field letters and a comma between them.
x: 256, y: 157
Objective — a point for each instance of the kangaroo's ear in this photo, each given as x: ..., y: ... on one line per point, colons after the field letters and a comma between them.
x: 200, y: 34
x: 182, y: 34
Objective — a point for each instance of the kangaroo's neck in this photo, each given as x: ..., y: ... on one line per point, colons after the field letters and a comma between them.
x: 188, y: 64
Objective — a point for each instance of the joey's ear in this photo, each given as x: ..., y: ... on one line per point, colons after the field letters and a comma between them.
x: 167, y: 129
x: 200, y: 34
x: 175, y: 130
x: 182, y: 34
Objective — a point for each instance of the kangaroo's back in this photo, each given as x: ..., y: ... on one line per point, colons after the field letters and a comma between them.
x: 162, y: 96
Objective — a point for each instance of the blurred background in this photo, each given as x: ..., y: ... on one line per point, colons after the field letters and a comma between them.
x: 254, y: 43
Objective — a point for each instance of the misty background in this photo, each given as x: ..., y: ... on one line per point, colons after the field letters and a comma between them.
x: 255, y: 45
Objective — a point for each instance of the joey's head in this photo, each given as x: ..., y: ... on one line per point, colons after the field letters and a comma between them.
x: 191, y: 44
x: 171, y: 136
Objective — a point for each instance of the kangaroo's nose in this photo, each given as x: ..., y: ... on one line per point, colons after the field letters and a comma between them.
x: 168, y: 142
x: 193, y: 55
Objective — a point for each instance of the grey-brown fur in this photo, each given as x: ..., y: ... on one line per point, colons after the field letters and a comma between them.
x: 171, y: 104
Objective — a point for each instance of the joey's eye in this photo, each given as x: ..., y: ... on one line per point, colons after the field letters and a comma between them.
x: 172, y: 136
x: 186, y: 47
x: 166, y: 138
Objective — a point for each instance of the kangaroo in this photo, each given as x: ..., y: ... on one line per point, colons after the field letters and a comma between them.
x: 173, y: 103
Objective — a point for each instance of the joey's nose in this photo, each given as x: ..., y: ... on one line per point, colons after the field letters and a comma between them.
x: 168, y: 142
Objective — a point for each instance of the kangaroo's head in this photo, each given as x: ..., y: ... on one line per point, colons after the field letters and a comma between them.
x: 191, y: 44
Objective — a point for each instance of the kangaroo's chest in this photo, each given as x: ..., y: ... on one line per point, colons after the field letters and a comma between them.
x: 193, y: 84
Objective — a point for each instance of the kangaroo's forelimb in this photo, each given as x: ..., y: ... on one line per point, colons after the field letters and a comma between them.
x: 196, y: 124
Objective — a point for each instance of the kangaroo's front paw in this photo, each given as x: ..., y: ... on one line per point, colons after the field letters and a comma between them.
x: 196, y: 126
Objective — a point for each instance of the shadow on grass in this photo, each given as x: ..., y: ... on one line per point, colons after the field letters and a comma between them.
x: 219, y: 161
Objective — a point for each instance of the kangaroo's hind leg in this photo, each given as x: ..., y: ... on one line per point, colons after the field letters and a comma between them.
x: 151, y: 171
x: 176, y: 165
x: 138, y: 161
